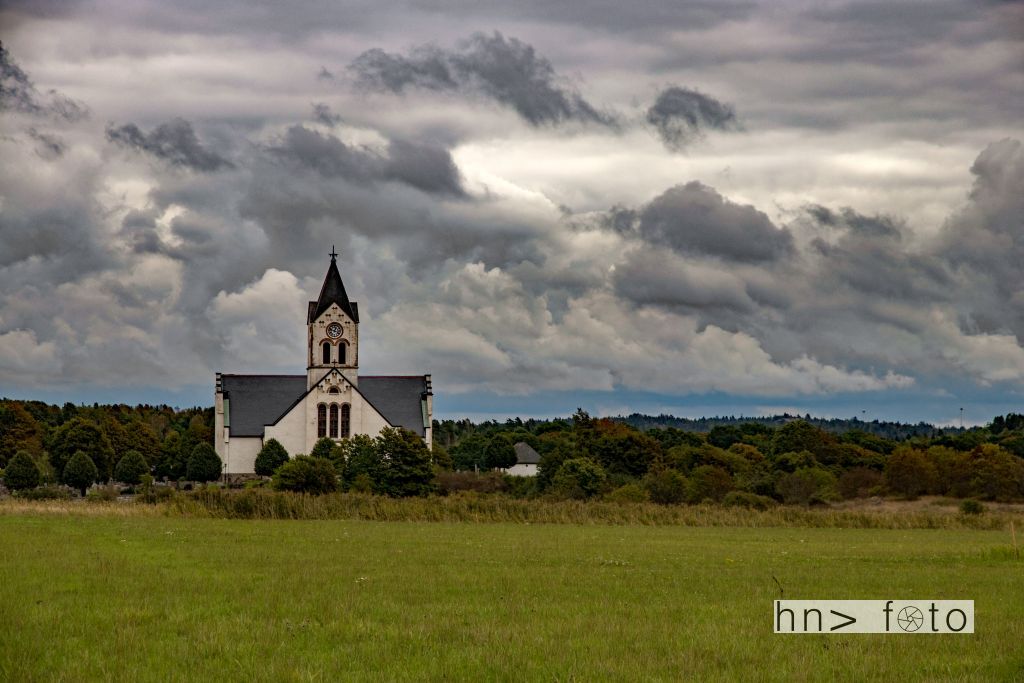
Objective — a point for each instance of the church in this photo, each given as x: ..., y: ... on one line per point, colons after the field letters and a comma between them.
x: 332, y: 399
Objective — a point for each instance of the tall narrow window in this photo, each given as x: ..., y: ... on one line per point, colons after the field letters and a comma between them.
x: 327, y: 353
x: 334, y: 420
x: 342, y: 347
x: 346, y: 415
x: 321, y: 421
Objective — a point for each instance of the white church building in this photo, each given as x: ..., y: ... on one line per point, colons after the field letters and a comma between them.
x: 332, y: 399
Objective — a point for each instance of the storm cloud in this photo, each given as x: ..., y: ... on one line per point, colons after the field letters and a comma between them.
x: 506, y: 70
x: 695, y: 218
x: 174, y: 142
x: 681, y: 115
x: 19, y: 93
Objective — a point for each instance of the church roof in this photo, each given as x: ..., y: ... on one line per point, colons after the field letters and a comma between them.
x: 398, y: 399
x: 333, y: 292
x: 260, y: 400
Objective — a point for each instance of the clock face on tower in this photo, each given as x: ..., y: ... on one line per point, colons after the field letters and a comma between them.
x: 334, y: 330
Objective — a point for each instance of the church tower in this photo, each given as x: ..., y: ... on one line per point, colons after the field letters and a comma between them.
x: 332, y: 324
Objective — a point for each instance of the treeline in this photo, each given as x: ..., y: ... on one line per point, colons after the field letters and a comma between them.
x: 749, y: 463
x: 79, y: 445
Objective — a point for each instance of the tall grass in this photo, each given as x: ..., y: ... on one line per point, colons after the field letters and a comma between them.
x: 218, y: 503
x: 468, y: 507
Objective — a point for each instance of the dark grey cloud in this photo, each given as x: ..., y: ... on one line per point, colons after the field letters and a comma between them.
x: 984, y: 241
x: 425, y: 167
x: 696, y: 219
x: 681, y: 115
x: 49, y: 146
x: 322, y: 113
x: 18, y: 93
x: 174, y: 142
x: 506, y: 70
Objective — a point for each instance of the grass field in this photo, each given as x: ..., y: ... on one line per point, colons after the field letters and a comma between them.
x: 156, y: 598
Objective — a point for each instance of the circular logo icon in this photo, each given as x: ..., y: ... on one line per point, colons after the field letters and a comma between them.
x: 910, y: 619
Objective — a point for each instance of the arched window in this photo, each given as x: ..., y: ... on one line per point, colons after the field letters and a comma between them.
x: 334, y: 420
x: 346, y: 415
x: 321, y: 421
x: 334, y: 390
x: 342, y: 348
x: 327, y: 353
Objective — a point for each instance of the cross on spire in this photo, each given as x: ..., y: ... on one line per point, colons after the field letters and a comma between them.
x: 333, y: 254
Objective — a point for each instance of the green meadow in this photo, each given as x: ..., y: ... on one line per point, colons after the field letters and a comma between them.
x: 139, y: 598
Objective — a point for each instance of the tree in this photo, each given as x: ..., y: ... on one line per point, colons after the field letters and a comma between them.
x: 806, y: 485
x: 306, y: 474
x: 579, y: 478
x: 18, y: 431
x: 322, y: 448
x: 81, y: 435
x: 204, y: 464
x: 407, y: 469
x: 724, y: 436
x: 270, y: 457
x: 360, y: 464
x: 665, y: 485
x: 173, y: 462
x: 468, y: 453
x: 440, y: 457
x: 709, y: 481
x: 997, y: 475
x: 21, y: 472
x: 909, y: 473
x: 80, y: 472
x: 500, y: 452
x: 130, y: 468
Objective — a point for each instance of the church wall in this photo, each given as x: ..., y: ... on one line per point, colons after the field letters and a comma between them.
x: 240, y: 454
x: 290, y: 431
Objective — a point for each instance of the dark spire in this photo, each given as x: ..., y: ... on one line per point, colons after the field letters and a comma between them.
x: 333, y: 292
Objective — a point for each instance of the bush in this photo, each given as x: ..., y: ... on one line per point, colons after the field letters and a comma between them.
x: 306, y: 474
x: 859, y: 482
x: 45, y: 493
x: 322, y: 448
x: 80, y: 472
x: 752, y: 501
x: 270, y: 457
x: 103, y: 494
x: 665, y: 486
x: 579, y: 478
x: 21, y: 472
x: 807, y: 485
x: 204, y: 464
x: 909, y: 473
x: 709, y: 481
x: 629, y: 493
x: 131, y: 468
x: 971, y: 507
x: 484, y: 482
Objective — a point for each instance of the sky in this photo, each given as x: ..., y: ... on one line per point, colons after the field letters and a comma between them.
x: 697, y: 208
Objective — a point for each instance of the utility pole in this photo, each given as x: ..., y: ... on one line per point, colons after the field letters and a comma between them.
x: 961, y: 419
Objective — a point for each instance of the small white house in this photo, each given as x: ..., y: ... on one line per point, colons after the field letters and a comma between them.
x: 527, y: 460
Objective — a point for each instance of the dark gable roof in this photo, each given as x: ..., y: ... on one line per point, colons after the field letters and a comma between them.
x: 398, y: 399
x: 333, y: 292
x: 259, y: 400
x: 525, y: 455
